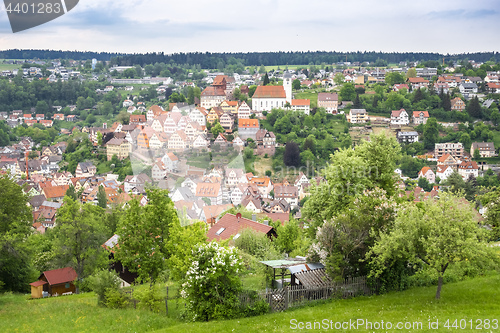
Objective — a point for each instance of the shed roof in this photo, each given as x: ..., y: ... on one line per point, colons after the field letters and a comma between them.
x: 61, y: 275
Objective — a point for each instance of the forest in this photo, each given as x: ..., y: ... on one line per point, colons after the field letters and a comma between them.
x: 212, y: 60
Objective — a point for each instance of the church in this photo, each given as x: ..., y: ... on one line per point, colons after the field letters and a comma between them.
x: 267, y: 98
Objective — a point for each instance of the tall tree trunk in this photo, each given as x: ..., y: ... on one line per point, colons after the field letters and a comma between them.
x: 440, y: 284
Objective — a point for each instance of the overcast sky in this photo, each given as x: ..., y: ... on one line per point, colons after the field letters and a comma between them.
x: 137, y: 26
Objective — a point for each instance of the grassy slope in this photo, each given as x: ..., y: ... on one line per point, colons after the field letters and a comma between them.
x: 472, y: 299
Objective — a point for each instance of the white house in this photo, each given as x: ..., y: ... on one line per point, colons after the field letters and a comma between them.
x: 444, y: 171
x: 399, y: 117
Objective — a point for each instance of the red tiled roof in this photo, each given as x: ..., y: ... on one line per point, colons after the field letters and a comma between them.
x: 232, y: 226
x: 416, y: 114
x: 301, y: 102
x: 269, y: 92
x: 55, y: 191
x: 417, y: 80
x: 248, y: 123
x: 213, y: 91
x: 61, y: 275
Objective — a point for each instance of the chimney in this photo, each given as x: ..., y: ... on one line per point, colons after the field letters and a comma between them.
x: 238, y: 217
x: 254, y: 217
x: 105, y: 125
x: 266, y: 222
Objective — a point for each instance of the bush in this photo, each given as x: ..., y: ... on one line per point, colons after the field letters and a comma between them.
x: 212, y: 284
x: 150, y: 298
x: 116, y: 299
x: 103, y: 281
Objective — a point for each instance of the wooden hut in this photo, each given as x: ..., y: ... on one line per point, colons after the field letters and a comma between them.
x: 55, y: 282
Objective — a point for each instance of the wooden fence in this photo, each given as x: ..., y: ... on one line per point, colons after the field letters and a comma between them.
x: 282, y: 299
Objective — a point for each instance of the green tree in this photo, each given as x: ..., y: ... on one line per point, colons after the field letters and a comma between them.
x: 145, y: 233
x: 348, y: 92
x: 393, y: 78
x: 71, y: 192
x: 291, y: 157
x: 439, y: 234
x: 474, y: 108
x: 217, y: 129
x: 349, y: 173
x: 15, y: 225
x: 412, y: 72
x: 296, y: 84
x: 184, y: 240
x: 431, y: 133
x: 338, y: 79
x: 102, y: 198
x: 342, y: 242
x: 265, y: 82
x: 79, y: 235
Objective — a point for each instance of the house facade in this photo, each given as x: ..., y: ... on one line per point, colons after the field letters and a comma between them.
x: 399, y: 117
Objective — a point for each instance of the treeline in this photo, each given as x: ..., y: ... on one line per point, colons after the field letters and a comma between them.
x: 213, y: 60
x: 54, y: 54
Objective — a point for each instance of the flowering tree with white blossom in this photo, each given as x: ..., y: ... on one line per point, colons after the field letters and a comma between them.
x: 212, y: 284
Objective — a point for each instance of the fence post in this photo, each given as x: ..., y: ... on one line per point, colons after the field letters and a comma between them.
x: 286, y: 298
x: 166, y: 302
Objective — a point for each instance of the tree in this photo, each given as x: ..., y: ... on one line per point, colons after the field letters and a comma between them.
x: 443, y: 232
x: 217, y: 129
x: 495, y: 117
x: 424, y: 183
x: 412, y: 72
x: 393, y: 78
x: 71, y: 192
x: 357, y: 103
x: 184, y: 240
x: 431, y: 133
x: 351, y: 172
x: 145, y: 234
x: 474, y: 108
x: 348, y: 92
x: 102, y: 198
x: 265, y: 82
x: 291, y: 157
x: 15, y: 225
x: 446, y: 103
x: 212, y: 284
x: 296, y: 84
x: 342, y: 242
x: 465, y: 140
x: 338, y: 79
x: 79, y: 235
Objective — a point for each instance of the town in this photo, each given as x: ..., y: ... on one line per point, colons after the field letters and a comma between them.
x: 278, y: 156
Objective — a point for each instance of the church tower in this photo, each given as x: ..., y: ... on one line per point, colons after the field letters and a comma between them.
x: 287, y: 85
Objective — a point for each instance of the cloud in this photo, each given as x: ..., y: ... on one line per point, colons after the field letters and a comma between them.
x: 461, y: 14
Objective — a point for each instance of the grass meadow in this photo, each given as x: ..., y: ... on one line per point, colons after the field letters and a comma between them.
x: 472, y: 301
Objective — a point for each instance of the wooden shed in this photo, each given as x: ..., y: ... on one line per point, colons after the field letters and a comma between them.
x: 37, y: 289
x: 54, y: 283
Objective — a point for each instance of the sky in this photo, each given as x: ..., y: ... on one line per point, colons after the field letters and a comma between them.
x: 137, y: 26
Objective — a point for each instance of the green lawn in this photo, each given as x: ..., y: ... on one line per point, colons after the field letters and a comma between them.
x: 474, y: 299
x: 8, y: 67
x: 311, y: 95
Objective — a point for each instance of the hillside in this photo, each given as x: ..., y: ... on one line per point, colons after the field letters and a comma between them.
x: 475, y: 300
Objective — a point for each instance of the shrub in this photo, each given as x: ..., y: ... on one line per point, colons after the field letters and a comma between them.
x: 103, y: 281
x: 116, y: 299
x: 150, y: 298
x: 212, y: 284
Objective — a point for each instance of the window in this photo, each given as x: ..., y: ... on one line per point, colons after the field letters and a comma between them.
x: 220, y: 231
x: 66, y: 285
